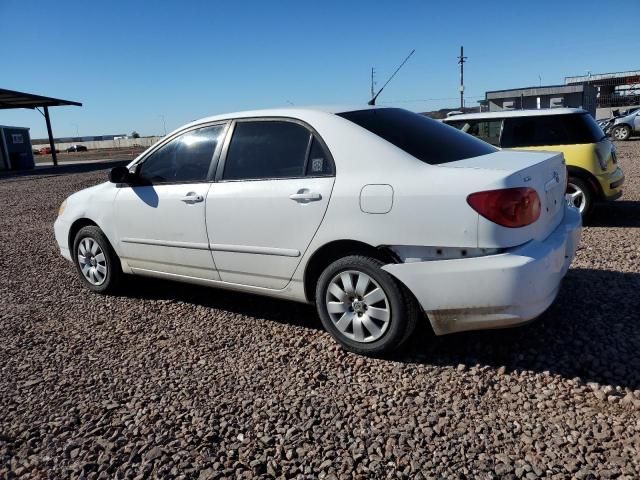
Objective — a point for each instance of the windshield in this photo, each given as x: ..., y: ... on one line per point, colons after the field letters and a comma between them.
x: 539, y: 131
x: 426, y: 139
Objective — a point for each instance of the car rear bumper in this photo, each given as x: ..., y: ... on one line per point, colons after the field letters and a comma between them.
x: 494, y: 291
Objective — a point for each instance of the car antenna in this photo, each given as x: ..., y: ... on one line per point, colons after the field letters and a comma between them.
x: 373, y: 100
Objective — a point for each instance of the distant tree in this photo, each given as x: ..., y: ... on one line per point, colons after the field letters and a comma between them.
x: 135, y: 134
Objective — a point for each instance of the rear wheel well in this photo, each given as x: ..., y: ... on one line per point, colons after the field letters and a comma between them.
x: 75, y: 228
x: 331, y: 252
x: 587, y: 177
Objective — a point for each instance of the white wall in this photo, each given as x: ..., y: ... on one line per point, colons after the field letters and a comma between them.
x: 120, y: 143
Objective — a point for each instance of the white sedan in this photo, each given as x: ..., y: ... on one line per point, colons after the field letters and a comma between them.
x: 377, y: 215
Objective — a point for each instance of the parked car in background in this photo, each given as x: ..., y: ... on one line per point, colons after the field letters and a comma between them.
x: 77, y: 148
x: 47, y: 151
x: 376, y: 215
x: 594, y: 174
x: 626, y: 125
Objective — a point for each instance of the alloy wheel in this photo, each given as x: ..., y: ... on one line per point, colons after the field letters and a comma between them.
x: 92, y: 261
x: 358, y: 306
x: 576, y: 197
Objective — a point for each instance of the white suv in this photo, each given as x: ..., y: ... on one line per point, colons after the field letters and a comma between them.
x: 375, y: 214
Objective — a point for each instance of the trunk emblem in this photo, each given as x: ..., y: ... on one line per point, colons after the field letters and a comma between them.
x: 556, y: 176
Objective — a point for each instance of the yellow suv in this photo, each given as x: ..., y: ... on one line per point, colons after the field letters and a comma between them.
x: 590, y: 156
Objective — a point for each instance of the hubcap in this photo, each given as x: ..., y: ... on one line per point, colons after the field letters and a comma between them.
x: 358, y: 306
x: 620, y: 133
x: 576, y: 197
x: 92, y: 261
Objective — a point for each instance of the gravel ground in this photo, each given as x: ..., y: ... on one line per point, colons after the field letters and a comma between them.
x: 177, y: 381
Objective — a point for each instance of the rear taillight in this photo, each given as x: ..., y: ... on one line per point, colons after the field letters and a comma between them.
x: 509, y: 207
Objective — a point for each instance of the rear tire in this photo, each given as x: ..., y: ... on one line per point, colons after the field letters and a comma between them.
x: 96, y: 262
x: 621, y: 132
x: 580, y: 194
x: 364, y: 308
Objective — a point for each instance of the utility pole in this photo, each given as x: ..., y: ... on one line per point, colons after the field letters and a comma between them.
x: 164, y: 125
x: 373, y: 82
x: 461, y: 60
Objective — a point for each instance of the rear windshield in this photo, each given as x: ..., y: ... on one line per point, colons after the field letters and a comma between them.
x: 426, y: 139
x: 550, y: 130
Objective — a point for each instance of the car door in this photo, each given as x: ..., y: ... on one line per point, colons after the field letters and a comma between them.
x: 160, y: 220
x: 272, y: 190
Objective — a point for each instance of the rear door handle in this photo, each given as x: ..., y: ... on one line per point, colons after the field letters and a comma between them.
x: 304, y: 196
x: 191, y: 197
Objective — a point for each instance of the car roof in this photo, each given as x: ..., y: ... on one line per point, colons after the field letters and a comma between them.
x: 516, y: 113
x: 291, y: 111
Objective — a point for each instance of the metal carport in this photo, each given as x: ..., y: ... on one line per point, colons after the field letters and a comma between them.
x: 12, y: 99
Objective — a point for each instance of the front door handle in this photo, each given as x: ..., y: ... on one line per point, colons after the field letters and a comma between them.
x: 192, y: 197
x: 304, y: 195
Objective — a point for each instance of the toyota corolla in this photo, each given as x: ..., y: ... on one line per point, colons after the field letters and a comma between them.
x: 381, y: 217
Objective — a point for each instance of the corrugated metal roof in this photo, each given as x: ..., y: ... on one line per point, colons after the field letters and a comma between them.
x: 13, y: 99
x: 600, y: 76
x: 534, y: 91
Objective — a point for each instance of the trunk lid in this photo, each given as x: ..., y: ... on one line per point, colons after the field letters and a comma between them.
x: 543, y: 171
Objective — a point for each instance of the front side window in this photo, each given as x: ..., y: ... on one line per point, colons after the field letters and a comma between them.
x: 267, y: 149
x: 486, y: 130
x: 540, y: 131
x: 426, y: 139
x: 184, y: 159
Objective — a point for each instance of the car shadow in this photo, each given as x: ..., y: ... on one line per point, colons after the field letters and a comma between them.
x: 621, y: 213
x: 260, y: 307
x: 51, y: 171
x: 593, y: 337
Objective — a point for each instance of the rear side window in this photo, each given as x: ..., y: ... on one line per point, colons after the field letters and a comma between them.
x: 184, y: 159
x: 486, y: 130
x: 426, y: 139
x: 319, y: 162
x: 267, y: 149
x: 550, y: 130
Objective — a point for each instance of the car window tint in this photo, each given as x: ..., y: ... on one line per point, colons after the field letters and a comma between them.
x: 486, y: 130
x: 186, y: 158
x: 550, y: 130
x: 266, y: 149
x: 319, y: 162
x: 426, y: 139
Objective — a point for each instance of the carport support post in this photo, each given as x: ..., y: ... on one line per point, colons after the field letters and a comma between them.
x: 51, y: 144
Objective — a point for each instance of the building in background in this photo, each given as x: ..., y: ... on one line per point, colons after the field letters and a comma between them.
x: 615, y: 91
x: 15, y: 148
x: 549, y: 96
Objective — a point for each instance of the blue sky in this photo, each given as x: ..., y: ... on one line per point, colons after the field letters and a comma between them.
x: 131, y: 63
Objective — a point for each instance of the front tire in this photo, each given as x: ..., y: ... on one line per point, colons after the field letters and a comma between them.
x: 96, y: 262
x: 363, y: 307
x: 621, y: 132
x: 580, y: 194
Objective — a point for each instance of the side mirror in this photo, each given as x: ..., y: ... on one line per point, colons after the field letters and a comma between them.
x: 120, y: 175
